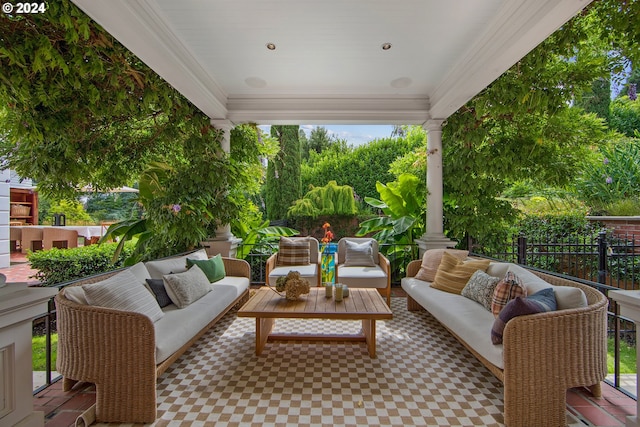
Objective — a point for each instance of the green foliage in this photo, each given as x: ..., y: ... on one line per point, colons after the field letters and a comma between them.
x: 72, y: 209
x: 283, y: 172
x: 555, y: 227
x: 360, y: 167
x: 184, y: 203
x: 624, y: 207
x: 597, y: 99
x: 112, y: 206
x: 625, y: 116
x: 403, y: 203
x: 627, y: 357
x: 332, y: 199
x: 255, y: 234
x: 79, y: 108
x: 39, y: 352
x: 56, y: 266
x: 613, y: 176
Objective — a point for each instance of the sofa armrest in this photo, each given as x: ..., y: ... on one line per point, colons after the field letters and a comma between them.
x: 237, y: 267
x: 113, y: 349
x: 547, y: 353
x: 413, y: 267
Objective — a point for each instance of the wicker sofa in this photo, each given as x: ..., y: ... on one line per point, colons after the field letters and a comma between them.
x: 542, y: 355
x: 124, y: 352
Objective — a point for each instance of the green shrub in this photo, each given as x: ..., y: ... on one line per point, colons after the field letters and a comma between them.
x: 62, y: 265
x: 625, y: 207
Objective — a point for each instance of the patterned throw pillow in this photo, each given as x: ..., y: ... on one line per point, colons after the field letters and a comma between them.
x: 480, y: 288
x: 157, y: 287
x: 212, y: 267
x: 359, y: 254
x: 123, y: 292
x: 431, y: 261
x: 294, y: 252
x: 507, y: 289
x: 453, y: 274
x: 187, y: 287
x: 540, y: 302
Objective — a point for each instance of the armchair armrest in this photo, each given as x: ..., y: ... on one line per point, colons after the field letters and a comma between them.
x: 413, y: 267
x: 237, y: 267
x: 270, y: 266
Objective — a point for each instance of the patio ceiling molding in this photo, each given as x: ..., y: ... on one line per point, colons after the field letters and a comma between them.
x: 328, y: 64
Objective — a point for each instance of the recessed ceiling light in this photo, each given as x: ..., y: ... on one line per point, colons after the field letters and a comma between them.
x: 401, y: 82
x: 386, y: 46
x: 271, y: 46
x: 255, y: 82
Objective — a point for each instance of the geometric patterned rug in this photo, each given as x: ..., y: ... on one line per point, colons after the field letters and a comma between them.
x: 421, y: 376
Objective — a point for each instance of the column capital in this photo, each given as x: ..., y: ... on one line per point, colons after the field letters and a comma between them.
x: 433, y: 125
x: 222, y: 124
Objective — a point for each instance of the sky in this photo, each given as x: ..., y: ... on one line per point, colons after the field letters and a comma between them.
x: 353, y: 134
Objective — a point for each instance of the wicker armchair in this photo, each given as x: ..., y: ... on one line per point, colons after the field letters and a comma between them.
x: 372, y: 276
x: 312, y: 271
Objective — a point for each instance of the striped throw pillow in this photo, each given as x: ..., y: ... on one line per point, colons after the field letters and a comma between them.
x: 359, y: 254
x: 294, y: 251
x: 123, y: 291
x: 453, y: 274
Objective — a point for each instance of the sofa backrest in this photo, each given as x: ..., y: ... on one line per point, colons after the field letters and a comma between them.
x: 160, y: 267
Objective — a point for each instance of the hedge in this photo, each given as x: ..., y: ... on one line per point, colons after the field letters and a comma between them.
x: 57, y: 266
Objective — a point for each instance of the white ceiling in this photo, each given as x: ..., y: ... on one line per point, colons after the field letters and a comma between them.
x: 329, y: 65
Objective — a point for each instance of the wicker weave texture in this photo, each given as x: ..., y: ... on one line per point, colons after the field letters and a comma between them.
x: 115, y: 350
x: 547, y: 353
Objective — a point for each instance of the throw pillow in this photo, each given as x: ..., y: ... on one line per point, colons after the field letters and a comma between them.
x: 431, y: 261
x: 507, y: 289
x: 123, y: 291
x: 293, y: 252
x: 212, y: 267
x: 540, y: 302
x: 359, y: 254
x: 480, y: 288
x: 157, y: 287
x: 187, y: 287
x: 453, y: 274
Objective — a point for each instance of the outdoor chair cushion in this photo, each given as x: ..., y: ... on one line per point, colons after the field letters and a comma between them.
x: 539, y: 302
x: 508, y: 288
x: 363, y: 277
x: 212, y: 267
x: 308, y: 272
x: 359, y: 254
x: 294, y: 251
x: 480, y: 288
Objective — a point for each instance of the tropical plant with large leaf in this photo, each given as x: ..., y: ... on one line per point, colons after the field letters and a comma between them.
x: 257, y: 234
x: 403, y: 204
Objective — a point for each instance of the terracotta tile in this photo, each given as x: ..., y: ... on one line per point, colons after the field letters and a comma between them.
x: 599, y: 417
x: 577, y: 400
x: 62, y: 419
x: 80, y: 401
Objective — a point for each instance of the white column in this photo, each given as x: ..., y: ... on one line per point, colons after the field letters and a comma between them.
x: 224, y: 242
x: 434, y: 237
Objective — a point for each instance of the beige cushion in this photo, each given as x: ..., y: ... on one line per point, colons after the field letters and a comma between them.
x: 187, y: 287
x: 431, y: 261
x: 294, y: 251
x: 453, y: 274
x: 123, y: 292
x: 160, y: 267
x: 362, y: 277
x: 75, y: 294
x: 359, y: 254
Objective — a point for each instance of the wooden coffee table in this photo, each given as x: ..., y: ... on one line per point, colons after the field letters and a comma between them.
x: 366, y: 305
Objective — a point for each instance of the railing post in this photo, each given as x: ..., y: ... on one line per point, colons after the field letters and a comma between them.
x: 602, y: 257
x: 522, y: 249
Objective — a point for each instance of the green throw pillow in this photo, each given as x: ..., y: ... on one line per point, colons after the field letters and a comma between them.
x: 213, y: 267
